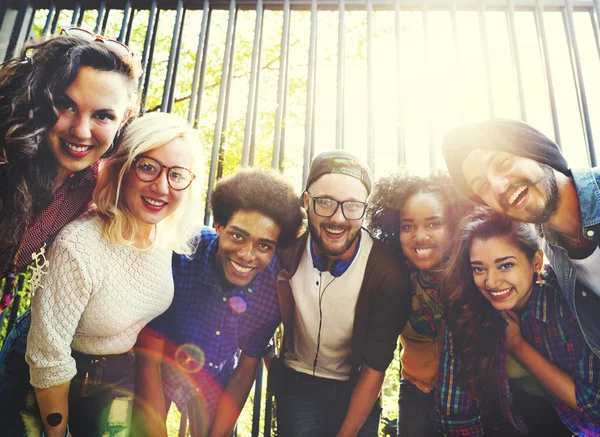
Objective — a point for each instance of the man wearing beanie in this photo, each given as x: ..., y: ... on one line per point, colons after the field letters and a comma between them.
x: 520, y: 172
x: 343, y: 300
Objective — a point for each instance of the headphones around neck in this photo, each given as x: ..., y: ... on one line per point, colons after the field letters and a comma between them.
x: 338, y: 267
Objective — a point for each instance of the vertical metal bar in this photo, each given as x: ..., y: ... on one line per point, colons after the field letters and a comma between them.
x: 597, y: 10
x: 16, y: 31
x: 399, y: 102
x: 486, y: 56
x: 255, y: 110
x: 541, y: 30
x: 341, y: 75
x: 256, y: 50
x: 49, y: 17
x: 152, y: 20
x: 512, y: 34
x: 312, y: 53
x: 30, y: 26
x: 314, y: 103
x: 177, y: 56
x: 76, y: 13
x: 203, y: 66
x: 124, y: 24
x: 268, y: 415
x: 370, y: 99
x: 129, y: 27
x: 199, y: 59
x: 100, y: 18
x: 164, y: 106
x: 227, y: 101
x: 220, y: 107
x: 105, y: 21
x: 454, y: 24
x: 285, y: 97
x: 595, y: 30
x: 578, y: 73
x: 257, y: 399
x: 55, y: 21
x: 148, y: 69
x: 429, y: 100
x: 81, y: 17
x: 282, y: 80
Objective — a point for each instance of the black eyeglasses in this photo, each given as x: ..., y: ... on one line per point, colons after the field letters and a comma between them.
x: 149, y: 169
x: 79, y: 32
x: 326, y: 207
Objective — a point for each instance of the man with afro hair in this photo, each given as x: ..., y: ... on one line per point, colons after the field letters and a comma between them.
x: 225, y: 300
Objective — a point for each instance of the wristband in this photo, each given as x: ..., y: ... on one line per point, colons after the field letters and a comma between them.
x: 66, y: 433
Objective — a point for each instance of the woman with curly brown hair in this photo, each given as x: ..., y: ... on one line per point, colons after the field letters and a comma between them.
x: 62, y: 103
x: 417, y: 216
x: 514, y: 360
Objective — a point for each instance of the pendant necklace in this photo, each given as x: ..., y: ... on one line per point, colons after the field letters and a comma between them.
x: 40, y: 263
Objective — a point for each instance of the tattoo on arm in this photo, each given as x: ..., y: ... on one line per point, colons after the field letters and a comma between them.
x: 54, y: 419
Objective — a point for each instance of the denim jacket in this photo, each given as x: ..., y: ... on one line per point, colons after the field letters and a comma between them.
x: 584, y: 303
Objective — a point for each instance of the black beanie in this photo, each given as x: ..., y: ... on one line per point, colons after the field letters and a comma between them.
x: 506, y: 135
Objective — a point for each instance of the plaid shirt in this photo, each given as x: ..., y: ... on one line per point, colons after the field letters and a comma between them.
x: 550, y: 327
x: 205, y: 326
x: 70, y: 201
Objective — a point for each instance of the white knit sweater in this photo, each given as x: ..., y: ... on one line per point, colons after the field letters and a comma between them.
x: 95, y: 299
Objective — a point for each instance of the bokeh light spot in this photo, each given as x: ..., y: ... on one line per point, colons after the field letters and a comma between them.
x: 238, y: 304
x: 190, y: 357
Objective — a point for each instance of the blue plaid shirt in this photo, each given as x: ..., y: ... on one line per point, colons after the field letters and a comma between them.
x: 550, y: 327
x: 205, y: 327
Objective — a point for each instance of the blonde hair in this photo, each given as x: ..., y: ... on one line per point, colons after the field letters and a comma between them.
x: 141, y: 135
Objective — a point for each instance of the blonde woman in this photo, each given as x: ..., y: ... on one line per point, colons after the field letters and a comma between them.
x: 109, y: 275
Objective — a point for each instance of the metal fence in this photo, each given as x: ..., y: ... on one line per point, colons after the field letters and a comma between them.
x: 526, y: 59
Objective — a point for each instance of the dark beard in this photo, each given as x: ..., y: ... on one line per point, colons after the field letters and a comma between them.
x: 548, y: 188
x: 313, y: 232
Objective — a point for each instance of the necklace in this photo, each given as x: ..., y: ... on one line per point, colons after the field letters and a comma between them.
x: 40, y: 263
x: 577, y: 240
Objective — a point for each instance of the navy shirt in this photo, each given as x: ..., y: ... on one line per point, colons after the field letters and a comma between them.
x: 206, y: 326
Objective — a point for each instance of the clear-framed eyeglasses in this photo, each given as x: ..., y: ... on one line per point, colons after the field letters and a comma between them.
x: 326, y: 207
x: 149, y: 169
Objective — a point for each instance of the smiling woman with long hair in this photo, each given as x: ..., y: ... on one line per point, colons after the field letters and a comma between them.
x: 514, y: 360
x: 417, y: 216
x: 111, y: 275
x: 63, y: 102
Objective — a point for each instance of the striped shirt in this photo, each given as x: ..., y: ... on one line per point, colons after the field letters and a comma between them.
x: 549, y: 326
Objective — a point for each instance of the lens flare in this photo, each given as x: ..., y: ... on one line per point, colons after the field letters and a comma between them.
x: 238, y: 304
x: 190, y: 357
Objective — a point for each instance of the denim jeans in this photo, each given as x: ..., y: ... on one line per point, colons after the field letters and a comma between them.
x: 102, y: 405
x: 415, y: 417
x: 308, y: 406
x: 14, y: 377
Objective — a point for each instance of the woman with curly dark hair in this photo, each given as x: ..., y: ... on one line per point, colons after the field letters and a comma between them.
x: 416, y: 215
x: 62, y: 103
x: 514, y: 361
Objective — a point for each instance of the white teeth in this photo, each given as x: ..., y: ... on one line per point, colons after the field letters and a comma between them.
x: 500, y: 293
x: 153, y: 202
x: 334, y: 231
x: 78, y: 148
x: 240, y: 268
x: 423, y: 252
x: 516, y: 194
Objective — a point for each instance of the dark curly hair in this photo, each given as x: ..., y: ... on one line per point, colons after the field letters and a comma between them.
x: 471, y: 318
x: 265, y: 191
x: 391, y: 193
x: 29, y: 87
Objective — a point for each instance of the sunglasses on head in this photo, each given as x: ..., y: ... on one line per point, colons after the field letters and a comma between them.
x: 87, y: 35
